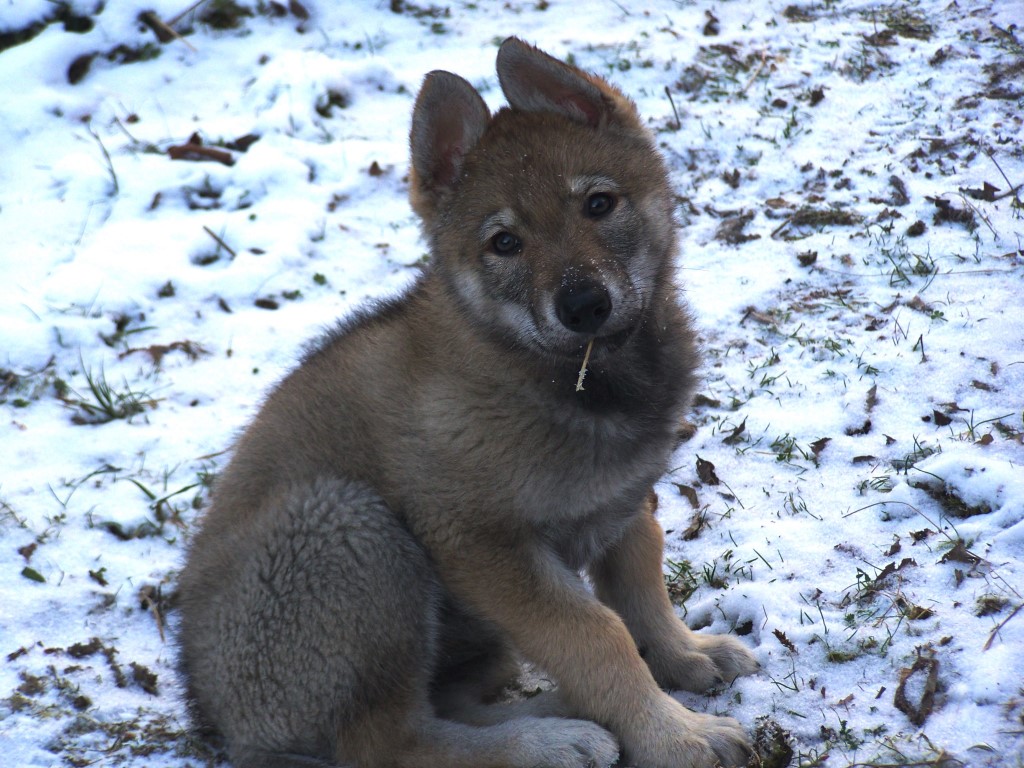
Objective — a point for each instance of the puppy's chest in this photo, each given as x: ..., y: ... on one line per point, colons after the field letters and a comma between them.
x: 569, y: 473
x: 582, y: 540
x: 581, y: 472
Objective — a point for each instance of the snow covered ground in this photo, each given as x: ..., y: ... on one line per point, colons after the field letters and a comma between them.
x: 177, y: 218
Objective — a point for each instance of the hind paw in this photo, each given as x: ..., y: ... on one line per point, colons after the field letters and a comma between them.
x: 559, y: 743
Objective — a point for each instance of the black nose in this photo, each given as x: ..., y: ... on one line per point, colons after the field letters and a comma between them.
x: 583, y: 308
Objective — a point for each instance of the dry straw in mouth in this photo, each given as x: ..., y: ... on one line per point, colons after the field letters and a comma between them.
x: 583, y: 368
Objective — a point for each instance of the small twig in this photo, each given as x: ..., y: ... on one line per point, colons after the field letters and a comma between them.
x: 583, y: 368
x: 920, y: 343
x: 782, y: 226
x: 738, y: 501
x: 882, y: 504
x: 999, y: 168
x: 764, y: 61
x: 199, y: 152
x: 150, y: 599
x: 106, y: 156
x: 174, y: 20
x: 679, y: 123
x: 227, y: 248
x: 185, y: 42
x: 125, y: 131
x: 1000, y: 625
x: 164, y: 33
x: 1013, y: 190
x: 981, y: 216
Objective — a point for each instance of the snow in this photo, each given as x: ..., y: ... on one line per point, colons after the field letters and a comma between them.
x: 907, y: 353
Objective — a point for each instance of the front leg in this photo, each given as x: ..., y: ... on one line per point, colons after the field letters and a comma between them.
x: 629, y: 579
x: 552, y: 618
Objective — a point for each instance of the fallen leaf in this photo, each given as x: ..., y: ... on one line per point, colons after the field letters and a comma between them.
x: 736, y: 434
x: 863, y: 429
x: 200, y: 153
x: 33, y: 575
x: 711, y: 27
x: 706, y: 472
x: 872, y: 398
x: 694, y: 528
x: 242, y: 143
x: 917, y: 229
x: 916, y: 612
x: 960, y: 554
x: 986, y: 193
x: 921, y: 535
x: 917, y: 712
x: 781, y: 637
x: 689, y: 493
x: 704, y: 400
x: 919, y: 304
x: 144, y: 678
x: 764, y: 318
x: 730, y: 231
x: 82, y: 650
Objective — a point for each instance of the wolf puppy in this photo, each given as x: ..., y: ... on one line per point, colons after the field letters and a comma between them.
x: 409, y: 514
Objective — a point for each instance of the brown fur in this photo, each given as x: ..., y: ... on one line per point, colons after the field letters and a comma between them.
x: 409, y: 513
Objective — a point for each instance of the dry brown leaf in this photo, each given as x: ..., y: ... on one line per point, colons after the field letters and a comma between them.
x: 689, y: 493
x: 926, y: 667
x: 781, y: 637
x: 706, y: 472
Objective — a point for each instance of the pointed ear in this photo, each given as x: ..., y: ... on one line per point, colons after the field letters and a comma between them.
x: 533, y: 81
x: 448, y: 120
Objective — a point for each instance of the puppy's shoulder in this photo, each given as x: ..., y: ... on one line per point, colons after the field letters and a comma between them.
x: 374, y: 315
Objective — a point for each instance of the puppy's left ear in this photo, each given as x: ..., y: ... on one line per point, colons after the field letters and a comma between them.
x: 533, y: 81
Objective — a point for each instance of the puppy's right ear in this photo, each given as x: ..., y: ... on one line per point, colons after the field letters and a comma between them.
x: 448, y: 120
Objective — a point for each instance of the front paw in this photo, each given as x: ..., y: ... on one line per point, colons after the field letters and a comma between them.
x: 730, y: 656
x: 676, y: 737
x: 697, y: 662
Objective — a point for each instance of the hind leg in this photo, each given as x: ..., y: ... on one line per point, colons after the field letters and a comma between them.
x: 311, y: 638
x: 321, y: 608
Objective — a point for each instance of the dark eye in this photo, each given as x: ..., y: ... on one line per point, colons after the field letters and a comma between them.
x: 506, y: 244
x: 600, y: 204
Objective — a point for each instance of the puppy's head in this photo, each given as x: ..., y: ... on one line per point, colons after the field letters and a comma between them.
x: 550, y: 221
